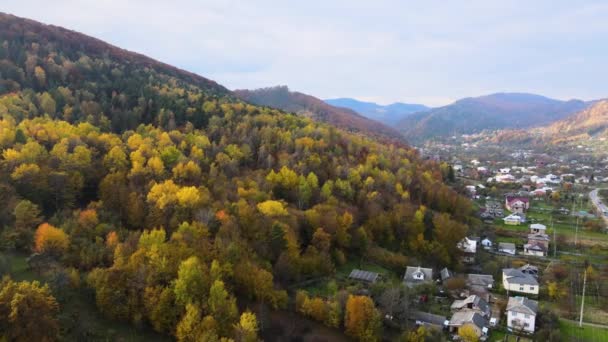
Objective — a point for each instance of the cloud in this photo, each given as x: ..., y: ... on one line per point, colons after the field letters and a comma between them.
x: 413, y: 51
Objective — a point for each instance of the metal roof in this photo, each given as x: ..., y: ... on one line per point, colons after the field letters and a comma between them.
x: 364, y: 275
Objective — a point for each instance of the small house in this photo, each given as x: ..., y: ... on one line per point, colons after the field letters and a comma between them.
x: 486, y: 243
x: 514, y: 219
x: 537, y: 228
x: 507, y: 248
x: 469, y: 318
x: 415, y: 276
x: 472, y: 303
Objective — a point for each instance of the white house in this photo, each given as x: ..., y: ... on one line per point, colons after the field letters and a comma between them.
x: 536, y: 228
x: 417, y: 275
x: 514, y: 280
x: 486, y: 243
x: 514, y: 219
x: 506, y: 247
x: 521, y: 314
x: 469, y: 248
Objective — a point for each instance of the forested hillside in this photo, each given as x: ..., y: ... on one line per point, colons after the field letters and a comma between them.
x: 282, y: 98
x: 176, y: 206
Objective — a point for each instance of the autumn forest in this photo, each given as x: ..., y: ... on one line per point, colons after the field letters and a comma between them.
x: 181, y: 208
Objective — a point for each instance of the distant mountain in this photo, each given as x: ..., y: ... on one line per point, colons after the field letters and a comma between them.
x: 282, y: 98
x: 495, y: 111
x: 390, y: 114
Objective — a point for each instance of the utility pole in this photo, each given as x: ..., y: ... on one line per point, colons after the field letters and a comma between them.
x: 554, y: 239
x: 576, y: 233
x: 580, y: 322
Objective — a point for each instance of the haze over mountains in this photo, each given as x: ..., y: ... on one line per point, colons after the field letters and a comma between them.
x: 282, y: 98
x: 495, y: 111
x: 389, y: 114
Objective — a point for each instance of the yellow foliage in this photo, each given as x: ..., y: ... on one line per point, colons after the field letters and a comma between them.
x: 49, y: 239
x: 272, y: 208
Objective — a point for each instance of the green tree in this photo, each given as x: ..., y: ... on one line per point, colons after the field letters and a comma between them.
x: 192, y: 283
x: 222, y: 306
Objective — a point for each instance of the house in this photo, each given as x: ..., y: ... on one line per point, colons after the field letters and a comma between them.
x: 415, y: 276
x: 505, y: 178
x: 537, y: 228
x: 469, y: 318
x: 425, y: 318
x: 485, y: 281
x: 529, y: 269
x: 538, y: 244
x: 514, y: 280
x: 486, y: 243
x: 534, y: 250
x: 506, y: 247
x: 514, y: 219
x: 517, y: 204
x: 469, y: 248
x: 505, y: 171
x: 365, y: 276
x: 472, y: 303
x: 480, y: 285
x: 521, y: 314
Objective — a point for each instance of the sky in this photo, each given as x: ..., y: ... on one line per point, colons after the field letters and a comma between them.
x: 429, y: 52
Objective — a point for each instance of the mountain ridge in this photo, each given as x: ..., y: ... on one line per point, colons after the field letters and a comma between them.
x: 387, y: 114
x: 493, y: 111
x: 283, y: 98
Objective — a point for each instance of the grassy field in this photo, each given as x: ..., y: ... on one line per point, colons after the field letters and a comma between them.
x: 571, y: 332
x: 564, y: 225
x: 79, y: 318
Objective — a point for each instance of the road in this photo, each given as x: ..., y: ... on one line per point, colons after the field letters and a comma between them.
x: 602, y: 209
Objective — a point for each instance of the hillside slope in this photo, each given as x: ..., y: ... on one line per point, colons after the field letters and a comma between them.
x: 168, y: 201
x: 282, y: 98
x: 389, y: 114
x: 496, y: 111
x: 591, y: 122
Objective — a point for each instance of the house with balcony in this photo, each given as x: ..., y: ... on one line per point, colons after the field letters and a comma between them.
x: 521, y: 314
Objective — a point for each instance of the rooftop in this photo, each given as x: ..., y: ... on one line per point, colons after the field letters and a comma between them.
x: 523, y: 305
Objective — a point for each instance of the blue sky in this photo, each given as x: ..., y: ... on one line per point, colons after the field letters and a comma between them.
x: 430, y: 52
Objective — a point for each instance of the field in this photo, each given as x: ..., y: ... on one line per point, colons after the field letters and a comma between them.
x: 564, y: 225
x: 571, y: 332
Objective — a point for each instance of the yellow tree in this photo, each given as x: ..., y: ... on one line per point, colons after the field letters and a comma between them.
x: 362, y: 320
x: 50, y: 240
x: 272, y: 208
x: 467, y: 333
x: 28, y: 312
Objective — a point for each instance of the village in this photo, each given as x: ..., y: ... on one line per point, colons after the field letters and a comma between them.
x: 523, y: 273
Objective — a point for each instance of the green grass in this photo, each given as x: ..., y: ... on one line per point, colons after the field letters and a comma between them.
x: 571, y: 332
